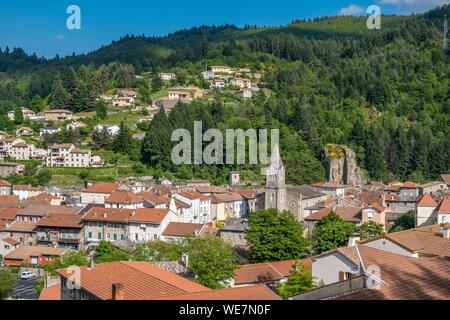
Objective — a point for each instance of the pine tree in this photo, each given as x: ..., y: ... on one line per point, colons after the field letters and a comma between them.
x: 59, y: 95
x: 123, y: 141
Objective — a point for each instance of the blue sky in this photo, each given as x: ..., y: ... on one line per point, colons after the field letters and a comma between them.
x: 40, y: 26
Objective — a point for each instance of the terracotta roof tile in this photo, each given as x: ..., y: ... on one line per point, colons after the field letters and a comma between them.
x: 102, y: 187
x: 405, y: 278
x: 25, y: 252
x: 140, y: 280
x: 443, y: 206
x: 8, y: 214
x: 10, y: 241
x: 47, y: 209
x: 258, y: 292
x: 106, y: 214
x: 20, y: 226
x: 4, y: 183
x: 52, y: 292
x: 192, y: 195
x: 123, y: 197
x: 427, y: 201
x: 148, y: 215
x: 61, y: 221
x: 182, y: 229
x: 154, y: 198
x: 250, y: 273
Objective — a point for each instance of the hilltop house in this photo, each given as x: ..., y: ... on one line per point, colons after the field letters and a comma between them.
x: 167, y: 76
x: 58, y: 115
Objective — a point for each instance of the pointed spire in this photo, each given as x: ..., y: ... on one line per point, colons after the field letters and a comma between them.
x: 275, y: 158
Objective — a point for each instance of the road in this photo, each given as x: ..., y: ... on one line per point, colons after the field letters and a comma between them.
x: 25, y: 289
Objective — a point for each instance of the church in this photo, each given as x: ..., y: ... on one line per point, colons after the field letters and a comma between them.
x: 278, y: 195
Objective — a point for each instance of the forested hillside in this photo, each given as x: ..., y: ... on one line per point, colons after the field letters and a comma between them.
x: 385, y: 93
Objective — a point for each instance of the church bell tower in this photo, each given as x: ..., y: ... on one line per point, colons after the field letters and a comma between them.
x: 275, y: 192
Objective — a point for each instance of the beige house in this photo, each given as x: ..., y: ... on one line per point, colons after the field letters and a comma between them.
x: 58, y: 115
x: 66, y: 155
x: 185, y: 93
x: 98, y: 192
x: 241, y: 82
x: 122, y: 101
x: 7, y: 169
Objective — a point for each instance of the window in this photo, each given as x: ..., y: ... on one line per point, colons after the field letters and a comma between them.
x: 90, y: 235
x: 115, y: 236
x: 108, y: 235
x: 99, y: 235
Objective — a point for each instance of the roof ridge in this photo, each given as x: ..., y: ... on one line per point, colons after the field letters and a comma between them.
x: 151, y: 275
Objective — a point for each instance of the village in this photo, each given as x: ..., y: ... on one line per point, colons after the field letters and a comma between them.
x: 40, y: 225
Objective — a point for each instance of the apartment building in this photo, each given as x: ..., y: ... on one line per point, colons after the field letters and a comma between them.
x: 200, y: 206
x: 66, y: 155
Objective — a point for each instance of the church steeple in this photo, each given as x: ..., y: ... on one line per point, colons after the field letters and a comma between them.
x: 275, y: 193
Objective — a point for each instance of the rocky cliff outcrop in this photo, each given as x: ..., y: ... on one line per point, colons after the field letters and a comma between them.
x: 341, y: 166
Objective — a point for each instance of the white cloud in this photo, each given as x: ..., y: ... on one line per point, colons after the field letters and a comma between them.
x: 352, y: 10
x: 414, y: 6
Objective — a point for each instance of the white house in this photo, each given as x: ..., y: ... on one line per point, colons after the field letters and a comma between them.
x: 425, y: 209
x: 148, y: 224
x: 207, y: 75
x: 167, y: 76
x: 245, y: 93
x: 48, y: 130
x: 112, y: 130
x: 98, y: 192
x: 200, y: 206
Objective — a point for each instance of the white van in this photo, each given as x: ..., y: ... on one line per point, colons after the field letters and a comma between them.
x: 26, y: 275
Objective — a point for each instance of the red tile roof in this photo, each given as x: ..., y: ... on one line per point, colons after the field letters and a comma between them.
x: 20, y: 226
x: 123, y: 197
x: 192, y: 195
x: 61, y: 221
x: 250, y: 273
x: 427, y: 241
x: 258, y: 292
x: 148, y: 215
x: 182, y: 229
x: 443, y: 206
x: 405, y: 278
x: 351, y: 214
x: 29, y: 188
x: 102, y: 187
x: 154, y: 198
x: 328, y: 185
x: 52, y: 292
x: 140, y: 280
x: 8, y: 214
x: 106, y: 214
x: 10, y: 201
x: 10, y: 241
x: 4, y: 183
x: 427, y: 201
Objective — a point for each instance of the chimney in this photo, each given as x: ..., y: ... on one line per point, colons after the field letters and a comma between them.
x: 353, y: 240
x: 117, y: 291
x: 185, y: 259
x: 91, y: 261
x: 445, y: 228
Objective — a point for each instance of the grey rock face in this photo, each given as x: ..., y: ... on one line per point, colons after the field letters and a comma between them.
x: 340, y: 163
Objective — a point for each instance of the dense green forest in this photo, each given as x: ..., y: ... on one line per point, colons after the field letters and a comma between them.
x: 385, y: 93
